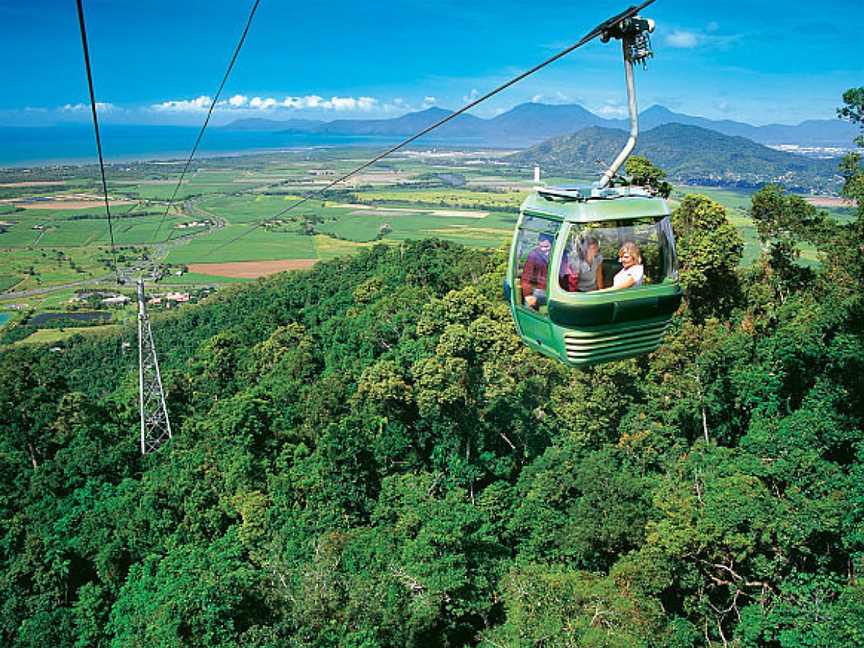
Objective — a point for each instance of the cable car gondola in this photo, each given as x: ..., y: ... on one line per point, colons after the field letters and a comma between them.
x: 593, y: 273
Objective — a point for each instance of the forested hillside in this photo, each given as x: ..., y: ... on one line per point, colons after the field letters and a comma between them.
x: 690, y: 154
x: 365, y: 455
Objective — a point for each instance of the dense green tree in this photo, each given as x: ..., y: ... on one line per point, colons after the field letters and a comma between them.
x: 783, y: 224
x: 709, y: 249
x: 564, y: 608
x: 644, y: 173
x: 194, y: 595
x: 853, y: 110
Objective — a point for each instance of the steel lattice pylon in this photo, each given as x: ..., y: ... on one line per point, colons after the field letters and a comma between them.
x: 155, y: 426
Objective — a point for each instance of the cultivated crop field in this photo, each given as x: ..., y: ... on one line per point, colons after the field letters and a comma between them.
x: 229, y: 211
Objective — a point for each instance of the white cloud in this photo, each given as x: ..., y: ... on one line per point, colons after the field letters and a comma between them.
x: 556, y: 97
x: 334, y: 103
x: 184, y: 105
x: 81, y: 107
x: 262, y: 104
x: 243, y: 102
x: 471, y: 96
x: 297, y: 103
x: 683, y: 39
x: 401, y: 106
x: 350, y: 103
x: 612, y: 108
x: 710, y: 36
x: 724, y: 106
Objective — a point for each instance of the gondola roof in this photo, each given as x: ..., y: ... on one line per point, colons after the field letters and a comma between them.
x: 580, y: 206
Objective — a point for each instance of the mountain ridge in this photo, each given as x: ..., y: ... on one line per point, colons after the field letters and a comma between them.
x: 689, y: 154
x: 531, y: 123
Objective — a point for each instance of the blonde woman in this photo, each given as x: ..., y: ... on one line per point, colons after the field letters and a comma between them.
x: 632, y: 272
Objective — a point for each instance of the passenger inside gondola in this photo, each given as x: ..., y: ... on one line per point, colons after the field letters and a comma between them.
x: 535, y: 271
x: 632, y: 270
x: 582, y: 266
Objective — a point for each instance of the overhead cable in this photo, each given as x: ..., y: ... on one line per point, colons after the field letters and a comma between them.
x: 98, y: 137
x: 207, y: 119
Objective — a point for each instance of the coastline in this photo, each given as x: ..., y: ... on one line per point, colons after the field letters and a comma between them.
x: 23, y: 147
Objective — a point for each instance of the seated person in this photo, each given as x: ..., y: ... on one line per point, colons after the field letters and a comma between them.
x: 583, y: 271
x: 535, y: 271
x: 632, y: 272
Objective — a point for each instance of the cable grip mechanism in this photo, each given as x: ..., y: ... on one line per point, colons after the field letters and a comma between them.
x: 634, y: 32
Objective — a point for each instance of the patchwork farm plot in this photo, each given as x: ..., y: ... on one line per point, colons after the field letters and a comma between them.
x: 228, y: 220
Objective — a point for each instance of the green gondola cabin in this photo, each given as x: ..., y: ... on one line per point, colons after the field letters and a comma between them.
x: 593, y: 275
x: 578, y: 322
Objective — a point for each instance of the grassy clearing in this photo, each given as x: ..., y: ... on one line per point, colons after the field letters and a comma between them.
x: 365, y: 226
x: 253, y: 209
x: 327, y: 247
x: 256, y: 245
x: 569, y: 181
x: 8, y: 281
x: 841, y: 214
x: 730, y: 198
x: 51, y: 336
x: 78, y: 228
x: 196, y: 278
x: 201, y: 182
x: 467, y: 199
x: 42, y: 267
x: 19, y: 235
x: 57, y: 300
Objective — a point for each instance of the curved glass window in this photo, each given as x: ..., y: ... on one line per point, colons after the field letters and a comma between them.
x: 626, y: 254
x: 534, y: 247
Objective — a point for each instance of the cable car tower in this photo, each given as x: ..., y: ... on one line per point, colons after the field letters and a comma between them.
x: 155, y: 426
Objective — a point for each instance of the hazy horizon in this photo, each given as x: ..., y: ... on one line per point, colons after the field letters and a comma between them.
x: 225, y: 119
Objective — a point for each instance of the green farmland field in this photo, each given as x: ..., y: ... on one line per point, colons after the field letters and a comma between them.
x: 235, y: 202
x: 467, y: 199
x: 255, y: 245
x: 8, y: 281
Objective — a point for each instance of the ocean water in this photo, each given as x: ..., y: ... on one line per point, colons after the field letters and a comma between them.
x: 28, y: 146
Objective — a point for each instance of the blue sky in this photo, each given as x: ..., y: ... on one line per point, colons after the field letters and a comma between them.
x: 157, y: 61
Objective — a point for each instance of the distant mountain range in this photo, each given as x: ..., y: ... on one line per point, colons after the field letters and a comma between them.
x: 531, y: 123
x: 689, y: 154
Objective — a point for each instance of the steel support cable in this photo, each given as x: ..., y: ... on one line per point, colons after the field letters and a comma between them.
x: 594, y: 33
x: 206, y: 120
x: 98, y: 137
